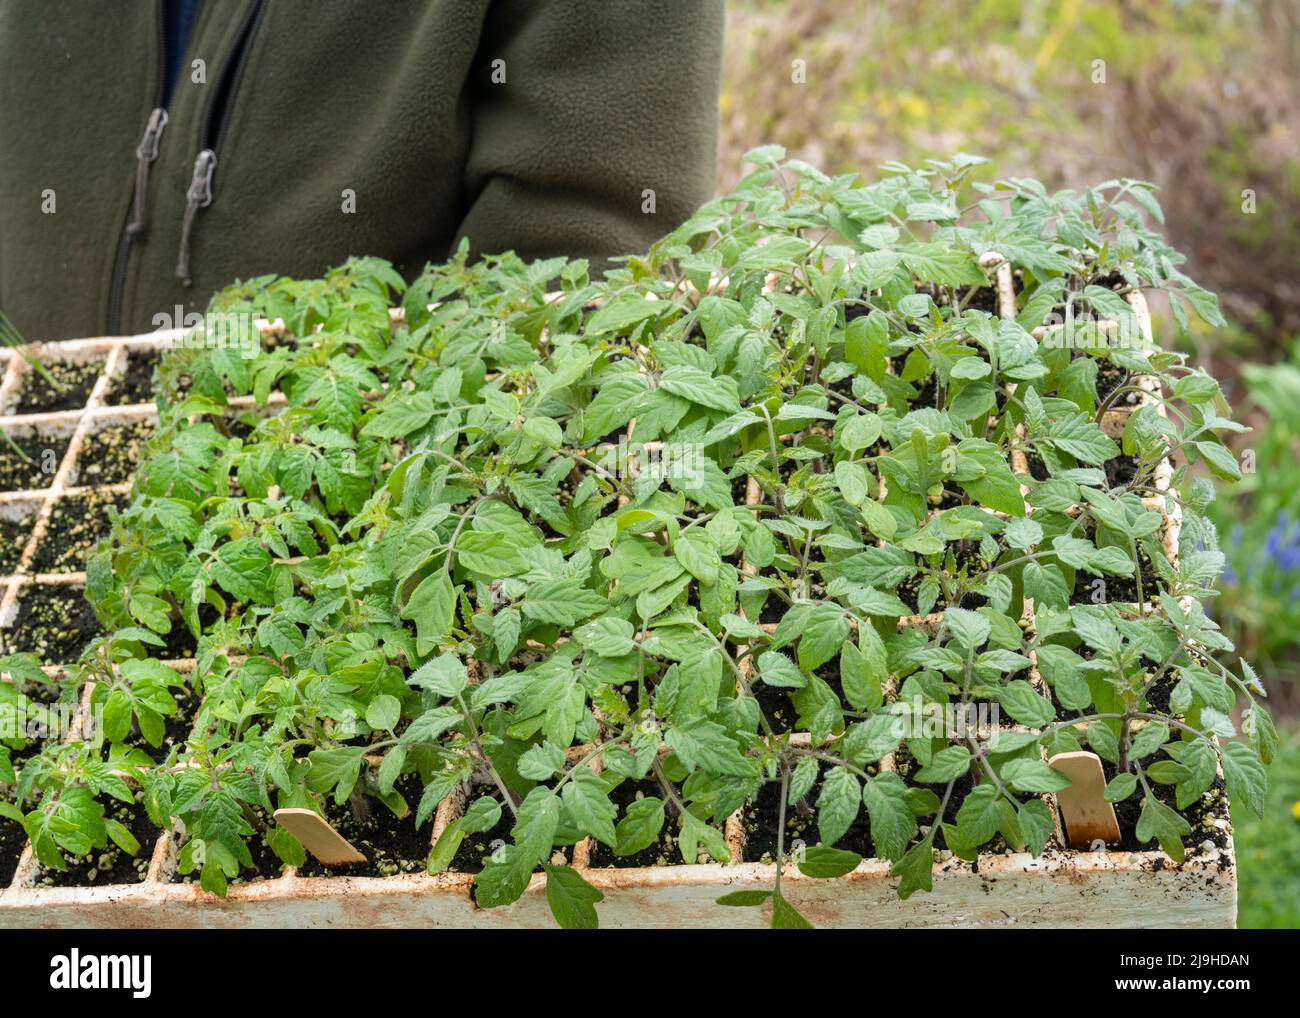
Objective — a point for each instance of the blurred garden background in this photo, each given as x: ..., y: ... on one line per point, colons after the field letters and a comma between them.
x: 1202, y: 97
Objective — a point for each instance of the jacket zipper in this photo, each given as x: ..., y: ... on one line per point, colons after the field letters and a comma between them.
x: 145, y: 153
x: 213, y: 134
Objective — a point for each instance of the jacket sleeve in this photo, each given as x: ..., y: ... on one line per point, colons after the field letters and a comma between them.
x: 602, y: 101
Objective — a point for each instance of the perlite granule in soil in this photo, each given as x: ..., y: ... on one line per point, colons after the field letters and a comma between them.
x: 110, y: 456
x: 73, y: 383
x: 53, y: 622
x: 111, y: 864
x: 29, y: 462
x: 76, y: 524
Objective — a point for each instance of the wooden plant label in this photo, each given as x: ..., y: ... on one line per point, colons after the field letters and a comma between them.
x: 1088, y: 817
x: 318, y: 837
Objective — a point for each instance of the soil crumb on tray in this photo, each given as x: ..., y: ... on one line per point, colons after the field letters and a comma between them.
x: 54, y: 622
x: 136, y: 384
x: 74, y: 383
x: 111, y: 865
x: 110, y: 456
x: 13, y: 538
x: 76, y: 526
x: 43, y: 455
x: 392, y: 846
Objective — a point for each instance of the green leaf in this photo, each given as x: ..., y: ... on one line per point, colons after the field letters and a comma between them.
x: 701, y: 744
x: 978, y: 818
x: 1020, y: 700
x: 640, y: 826
x: 916, y: 867
x: 1033, y: 776
x: 1160, y: 822
x: 946, y: 765
x: 562, y: 602
x: 744, y: 899
x: 572, y: 899
x: 608, y: 637
x: 824, y: 631
x: 701, y: 388
x: 1036, y: 824
x: 822, y: 862
x: 968, y: 628
x: 892, y: 822
x: 430, y: 608
x: 336, y: 770
x: 863, y: 675
x: 490, y: 554
x: 994, y: 485
x: 541, y: 762
x: 838, y: 804
x: 775, y: 669
x: 544, y: 431
x: 383, y: 712
x: 1245, y: 776
x: 785, y: 916
x: 696, y: 834
x: 445, y: 675
x: 586, y: 800
x: 1121, y: 786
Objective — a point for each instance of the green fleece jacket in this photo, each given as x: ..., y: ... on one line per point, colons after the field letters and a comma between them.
x: 300, y: 133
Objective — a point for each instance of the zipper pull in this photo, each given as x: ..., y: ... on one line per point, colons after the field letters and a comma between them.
x: 145, y: 153
x: 198, y: 196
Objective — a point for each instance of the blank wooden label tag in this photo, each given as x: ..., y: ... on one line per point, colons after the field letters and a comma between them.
x: 1088, y: 817
x: 318, y: 837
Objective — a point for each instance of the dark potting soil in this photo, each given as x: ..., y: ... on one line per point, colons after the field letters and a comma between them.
x: 74, y: 380
x: 1121, y: 471
x: 1111, y: 376
x: 110, y: 456
x: 112, y: 865
x: 776, y: 705
x: 928, y: 393
x: 54, y: 622
x: 13, y: 538
x: 965, y: 553
x: 984, y: 298
x: 76, y: 526
x: 136, y: 384
x: 1118, y: 589
x: 12, y: 840
x: 392, y: 846
x: 1201, y: 815
x: 661, y: 852
x: 761, y: 816
x: 44, y: 454
x: 1158, y: 695
x: 179, y: 642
